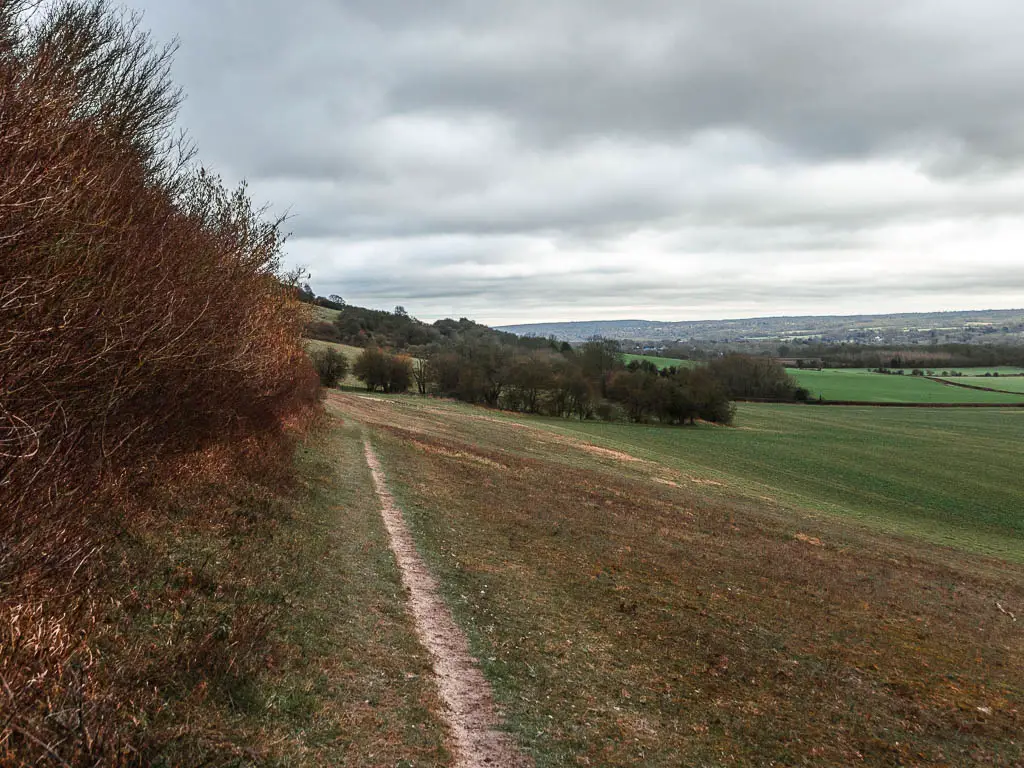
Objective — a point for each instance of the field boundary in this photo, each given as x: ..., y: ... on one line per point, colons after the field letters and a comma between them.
x: 883, y: 404
x: 469, y: 702
x: 917, y: 405
x: 970, y: 386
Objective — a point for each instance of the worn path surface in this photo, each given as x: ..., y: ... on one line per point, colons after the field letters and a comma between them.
x: 469, y: 705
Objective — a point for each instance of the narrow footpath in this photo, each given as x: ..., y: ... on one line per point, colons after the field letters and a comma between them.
x: 469, y: 704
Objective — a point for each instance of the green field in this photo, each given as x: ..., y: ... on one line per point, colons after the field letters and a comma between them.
x: 950, y: 475
x: 1005, y: 383
x: 1003, y: 370
x: 661, y: 362
x: 350, y: 352
x: 860, y: 384
x: 324, y: 314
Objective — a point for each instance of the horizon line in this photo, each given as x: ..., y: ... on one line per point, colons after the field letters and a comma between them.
x: 762, y: 317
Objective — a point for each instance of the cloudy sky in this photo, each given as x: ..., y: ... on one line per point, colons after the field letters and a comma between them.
x: 521, y: 161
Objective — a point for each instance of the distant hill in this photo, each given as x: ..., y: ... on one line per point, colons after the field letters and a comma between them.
x: 336, y: 322
x: 1004, y: 325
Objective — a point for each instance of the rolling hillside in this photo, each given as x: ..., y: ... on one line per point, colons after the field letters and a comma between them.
x: 811, y: 587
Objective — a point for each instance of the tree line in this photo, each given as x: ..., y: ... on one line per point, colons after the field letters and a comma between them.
x: 586, y: 382
x: 934, y: 356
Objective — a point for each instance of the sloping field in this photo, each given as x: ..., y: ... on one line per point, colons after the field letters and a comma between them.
x: 661, y: 362
x: 350, y: 352
x: 950, y: 475
x: 643, y: 596
x: 324, y: 314
x: 858, y: 384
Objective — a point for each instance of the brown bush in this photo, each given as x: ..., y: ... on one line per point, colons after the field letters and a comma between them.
x: 142, y: 323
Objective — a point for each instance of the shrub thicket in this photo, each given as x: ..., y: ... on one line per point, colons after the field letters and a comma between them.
x: 142, y: 323
x: 380, y: 370
x: 761, y: 378
x: 589, y: 382
x: 331, y: 366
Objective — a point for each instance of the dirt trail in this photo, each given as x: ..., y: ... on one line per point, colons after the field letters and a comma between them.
x: 469, y: 705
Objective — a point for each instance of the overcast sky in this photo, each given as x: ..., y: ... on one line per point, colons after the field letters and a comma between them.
x: 521, y: 161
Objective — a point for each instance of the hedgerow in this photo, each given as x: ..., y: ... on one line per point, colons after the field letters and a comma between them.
x: 143, y: 327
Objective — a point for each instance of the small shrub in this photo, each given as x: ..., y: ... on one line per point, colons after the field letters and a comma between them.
x: 331, y: 366
x: 371, y: 368
x: 380, y: 370
x: 399, y: 373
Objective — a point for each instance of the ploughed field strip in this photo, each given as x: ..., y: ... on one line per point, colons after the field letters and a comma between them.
x: 627, y: 612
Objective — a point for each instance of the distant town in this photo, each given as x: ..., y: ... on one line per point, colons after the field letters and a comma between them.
x: 1005, y: 326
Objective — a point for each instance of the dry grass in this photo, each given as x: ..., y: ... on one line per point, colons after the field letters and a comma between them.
x: 253, y: 620
x: 626, y: 622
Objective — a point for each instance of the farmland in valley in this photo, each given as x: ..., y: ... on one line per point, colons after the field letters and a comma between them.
x: 1002, y: 370
x: 863, y: 385
x: 661, y: 362
x: 1002, y: 382
x: 813, y: 586
x: 859, y: 384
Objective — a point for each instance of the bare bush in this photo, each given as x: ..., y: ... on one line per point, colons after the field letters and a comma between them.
x: 331, y: 366
x: 142, y: 321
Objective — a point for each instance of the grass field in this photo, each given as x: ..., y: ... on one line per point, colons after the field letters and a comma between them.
x: 859, y: 384
x: 351, y: 685
x: 951, y: 476
x: 350, y: 352
x: 322, y: 667
x: 324, y: 314
x: 711, y: 596
x: 661, y: 362
x: 1006, y: 383
x: 1004, y: 370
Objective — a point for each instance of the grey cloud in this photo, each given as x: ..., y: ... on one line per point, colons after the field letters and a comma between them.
x: 432, y: 139
x: 821, y: 79
x: 543, y: 290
